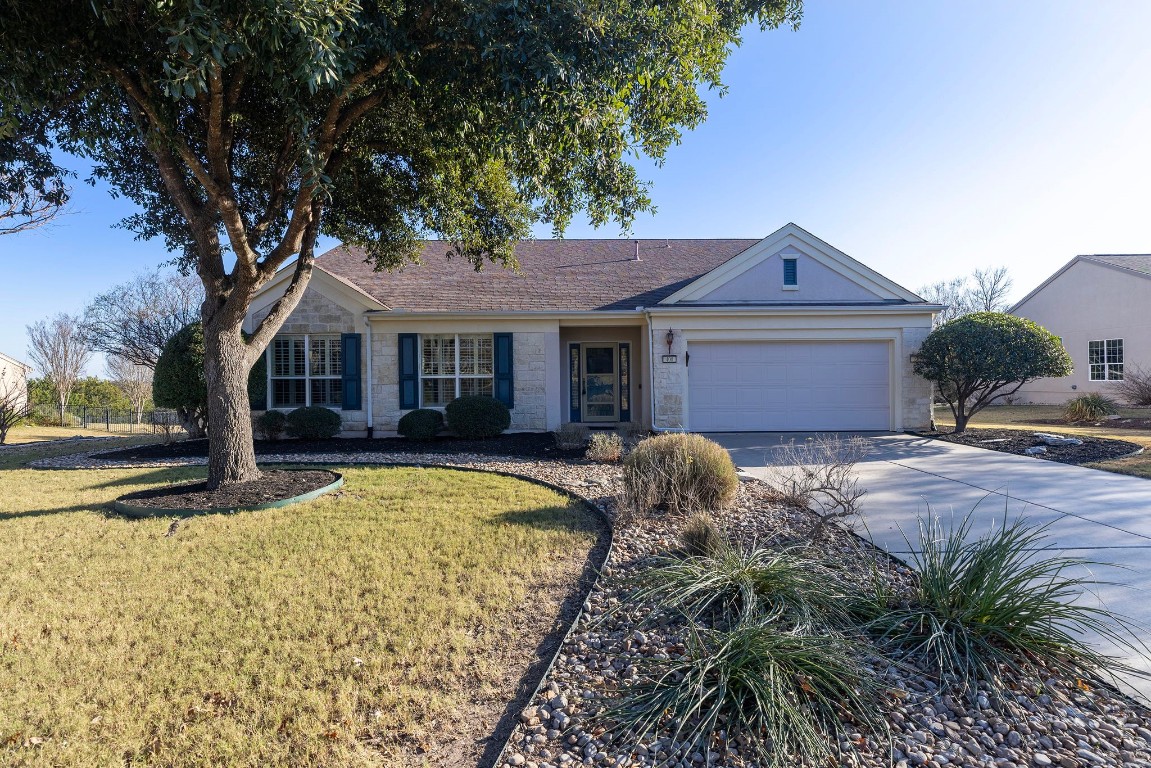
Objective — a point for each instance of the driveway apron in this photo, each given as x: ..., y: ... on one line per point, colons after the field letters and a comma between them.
x: 1099, y: 516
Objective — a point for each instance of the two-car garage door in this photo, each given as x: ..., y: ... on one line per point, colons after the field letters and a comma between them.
x: 766, y: 386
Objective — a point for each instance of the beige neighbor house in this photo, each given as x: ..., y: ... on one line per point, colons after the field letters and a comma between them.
x: 785, y: 333
x: 13, y: 382
x: 1098, y: 306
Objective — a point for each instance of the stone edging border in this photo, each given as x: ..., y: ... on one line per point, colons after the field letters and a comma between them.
x: 139, y: 512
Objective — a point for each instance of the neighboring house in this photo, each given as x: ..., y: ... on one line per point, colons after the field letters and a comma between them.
x: 1098, y: 306
x: 13, y: 382
x: 784, y: 333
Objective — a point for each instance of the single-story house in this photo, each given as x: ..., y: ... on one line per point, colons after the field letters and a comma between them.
x: 785, y: 333
x: 1098, y: 306
x: 13, y: 382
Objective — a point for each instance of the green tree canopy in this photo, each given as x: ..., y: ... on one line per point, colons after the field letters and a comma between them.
x: 90, y: 392
x: 978, y: 357
x: 245, y: 130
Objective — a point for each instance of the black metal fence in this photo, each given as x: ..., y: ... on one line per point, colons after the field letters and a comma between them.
x: 155, y: 421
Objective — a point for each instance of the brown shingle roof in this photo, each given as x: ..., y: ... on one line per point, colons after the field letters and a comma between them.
x: 555, y: 275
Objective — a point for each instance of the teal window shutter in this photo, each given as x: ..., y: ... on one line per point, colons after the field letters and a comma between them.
x: 504, y: 385
x: 409, y: 371
x: 574, y: 388
x: 350, y: 371
x: 624, y: 381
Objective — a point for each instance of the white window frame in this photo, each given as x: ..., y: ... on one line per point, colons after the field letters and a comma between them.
x: 790, y: 286
x: 1110, y: 366
x: 333, y: 339
x: 456, y: 377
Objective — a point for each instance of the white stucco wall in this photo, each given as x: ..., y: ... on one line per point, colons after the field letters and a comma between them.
x: 1090, y: 301
x: 764, y: 283
x: 910, y: 395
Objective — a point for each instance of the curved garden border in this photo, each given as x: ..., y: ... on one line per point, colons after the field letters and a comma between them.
x: 138, y: 512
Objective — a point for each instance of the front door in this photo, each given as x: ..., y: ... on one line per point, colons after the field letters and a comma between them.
x: 600, y: 382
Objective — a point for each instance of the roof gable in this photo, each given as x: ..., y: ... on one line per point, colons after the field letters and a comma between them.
x: 827, y: 275
x: 15, y: 362
x: 1136, y: 265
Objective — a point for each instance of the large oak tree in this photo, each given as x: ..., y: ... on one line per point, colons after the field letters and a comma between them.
x: 244, y: 130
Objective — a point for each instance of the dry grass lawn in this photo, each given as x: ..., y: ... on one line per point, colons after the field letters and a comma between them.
x: 1029, y: 416
x: 34, y: 433
x: 325, y: 634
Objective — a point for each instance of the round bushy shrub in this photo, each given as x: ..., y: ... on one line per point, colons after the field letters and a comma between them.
x: 679, y: 473
x: 477, y: 416
x: 421, y: 424
x: 271, y: 424
x: 314, y: 423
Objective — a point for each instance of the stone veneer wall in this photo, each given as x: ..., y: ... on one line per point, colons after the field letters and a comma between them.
x: 917, y: 391
x: 318, y: 314
x: 529, y: 413
x: 670, y: 383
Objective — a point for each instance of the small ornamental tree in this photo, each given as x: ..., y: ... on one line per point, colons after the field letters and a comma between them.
x: 978, y: 357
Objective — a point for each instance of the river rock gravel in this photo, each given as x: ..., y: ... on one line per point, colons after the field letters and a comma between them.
x: 1054, y: 722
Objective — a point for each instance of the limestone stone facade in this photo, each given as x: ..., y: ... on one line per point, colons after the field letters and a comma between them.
x: 917, y: 391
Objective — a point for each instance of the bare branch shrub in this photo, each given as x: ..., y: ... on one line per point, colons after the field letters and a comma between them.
x: 819, y: 474
x: 14, y: 406
x: 571, y: 437
x: 1135, y: 389
x: 605, y: 447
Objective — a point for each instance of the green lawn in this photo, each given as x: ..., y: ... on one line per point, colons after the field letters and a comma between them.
x: 1030, y: 416
x: 323, y: 634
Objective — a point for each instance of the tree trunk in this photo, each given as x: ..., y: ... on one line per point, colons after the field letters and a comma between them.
x: 231, y: 452
x: 961, y: 418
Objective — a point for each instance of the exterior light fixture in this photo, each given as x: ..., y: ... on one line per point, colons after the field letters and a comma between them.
x: 670, y: 339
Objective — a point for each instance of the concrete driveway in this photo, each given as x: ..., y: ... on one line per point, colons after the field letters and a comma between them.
x: 1100, y: 516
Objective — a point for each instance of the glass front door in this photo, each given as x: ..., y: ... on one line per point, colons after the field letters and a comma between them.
x: 600, y: 382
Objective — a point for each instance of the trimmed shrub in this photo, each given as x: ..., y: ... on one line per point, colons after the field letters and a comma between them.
x: 272, y: 424
x: 314, y: 423
x: 421, y: 424
x: 478, y: 416
x: 571, y: 437
x: 1089, y: 407
x: 605, y: 447
x: 679, y: 472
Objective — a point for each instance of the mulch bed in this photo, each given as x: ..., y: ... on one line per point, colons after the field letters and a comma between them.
x: 273, y: 485
x: 1017, y: 441
x: 531, y: 445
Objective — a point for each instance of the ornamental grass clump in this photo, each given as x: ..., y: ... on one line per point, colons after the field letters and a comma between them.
x: 1089, y: 407
x: 1000, y: 606
x: 701, y: 537
x: 605, y: 447
x: 678, y: 473
x: 735, y: 584
x: 779, y: 694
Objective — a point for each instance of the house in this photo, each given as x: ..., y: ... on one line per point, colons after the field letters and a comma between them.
x: 13, y: 383
x: 1098, y: 306
x: 785, y: 333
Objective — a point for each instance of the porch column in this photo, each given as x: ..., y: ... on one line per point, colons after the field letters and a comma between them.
x: 553, y: 365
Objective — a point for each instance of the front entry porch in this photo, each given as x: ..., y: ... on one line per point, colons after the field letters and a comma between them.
x: 604, y: 375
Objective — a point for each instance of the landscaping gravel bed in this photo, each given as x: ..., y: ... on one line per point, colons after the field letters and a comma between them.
x: 1018, y: 441
x: 1057, y: 722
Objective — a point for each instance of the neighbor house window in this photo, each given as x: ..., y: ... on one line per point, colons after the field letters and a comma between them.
x: 1105, y: 360
x: 454, y: 365
x: 306, y: 370
x: 790, y: 272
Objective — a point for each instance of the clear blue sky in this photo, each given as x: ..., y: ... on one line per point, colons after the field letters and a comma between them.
x: 923, y: 138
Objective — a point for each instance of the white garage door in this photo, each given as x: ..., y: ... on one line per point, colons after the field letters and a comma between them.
x: 760, y: 386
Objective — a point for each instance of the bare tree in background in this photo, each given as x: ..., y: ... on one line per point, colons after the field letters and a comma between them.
x: 134, y: 380
x: 27, y: 210
x: 984, y: 290
x: 57, y: 348
x: 135, y: 319
x: 14, y: 406
x: 990, y: 289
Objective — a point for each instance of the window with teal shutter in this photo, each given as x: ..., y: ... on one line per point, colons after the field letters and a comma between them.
x: 790, y: 272
x: 504, y: 390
